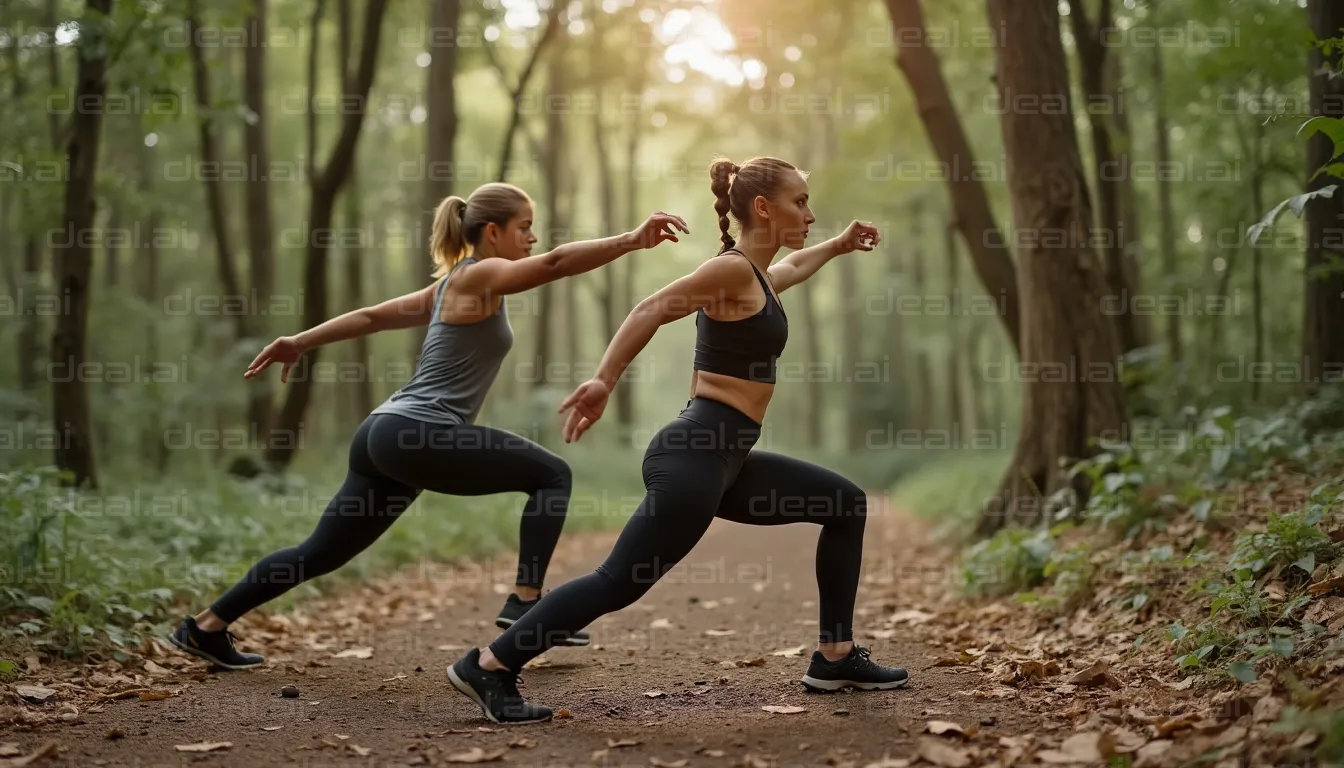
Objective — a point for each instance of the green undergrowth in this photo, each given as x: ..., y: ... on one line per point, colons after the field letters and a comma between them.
x: 94, y: 571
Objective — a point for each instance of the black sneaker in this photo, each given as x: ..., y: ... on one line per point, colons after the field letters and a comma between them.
x: 495, y: 691
x: 855, y: 670
x: 513, y: 610
x: 216, y: 647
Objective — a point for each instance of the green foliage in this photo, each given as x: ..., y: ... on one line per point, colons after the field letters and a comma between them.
x: 1326, y: 723
x: 1289, y: 540
x: 1072, y: 572
x: 1012, y: 560
x: 1116, y: 480
x: 952, y: 489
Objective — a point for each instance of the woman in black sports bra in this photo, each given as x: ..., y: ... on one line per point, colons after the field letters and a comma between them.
x: 701, y: 465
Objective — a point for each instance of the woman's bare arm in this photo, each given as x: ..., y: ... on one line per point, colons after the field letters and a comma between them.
x: 407, y: 311
x: 802, y: 264
x: 498, y: 277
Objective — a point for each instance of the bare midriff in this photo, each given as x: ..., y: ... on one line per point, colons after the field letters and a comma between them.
x: 749, y: 397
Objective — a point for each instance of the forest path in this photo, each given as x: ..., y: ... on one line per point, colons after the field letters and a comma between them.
x: 396, y: 708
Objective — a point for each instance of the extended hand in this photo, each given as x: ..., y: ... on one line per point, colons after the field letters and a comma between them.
x: 658, y: 228
x: 285, y: 349
x: 859, y: 236
x: 588, y: 403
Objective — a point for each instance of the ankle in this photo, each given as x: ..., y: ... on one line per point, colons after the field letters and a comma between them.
x: 489, y: 663
x: 207, y: 621
x: 835, y: 651
x: 526, y: 594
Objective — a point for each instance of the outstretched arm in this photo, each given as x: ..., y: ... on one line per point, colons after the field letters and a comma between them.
x: 403, y: 312
x: 802, y: 264
x: 714, y: 281
x: 497, y: 277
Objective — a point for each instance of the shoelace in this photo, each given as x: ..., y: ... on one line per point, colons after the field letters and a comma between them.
x: 862, y: 654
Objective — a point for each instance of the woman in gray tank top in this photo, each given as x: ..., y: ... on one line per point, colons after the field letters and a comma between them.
x: 423, y: 437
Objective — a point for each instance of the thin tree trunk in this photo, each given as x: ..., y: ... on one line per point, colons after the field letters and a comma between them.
x: 1092, y: 55
x: 954, y: 409
x: 440, y: 137
x: 1063, y: 330
x: 1165, y: 206
x: 49, y: 20
x: 69, y: 343
x: 899, y: 386
x: 1129, y: 202
x: 625, y: 405
x: 1323, y: 309
x: 324, y: 185
x: 1257, y: 286
x: 260, y: 226
x: 989, y: 251
x: 360, y: 391
x: 550, y: 32
x: 214, y: 187
x: 112, y: 245
x: 153, y: 444
x: 29, y: 346
x: 924, y: 402
x: 554, y: 168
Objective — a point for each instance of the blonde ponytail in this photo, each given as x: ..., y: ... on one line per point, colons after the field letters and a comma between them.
x: 448, y: 242
x: 458, y: 223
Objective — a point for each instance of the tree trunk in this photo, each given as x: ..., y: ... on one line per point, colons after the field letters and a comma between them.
x: 214, y: 187
x: 112, y: 245
x: 260, y: 226
x: 1092, y: 56
x: 1323, y: 310
x: 153, y: 444
x: 1133, y: 251
x: 625, y: 405
x: 361, y: 389
x: 924, y: 401
x: 551, y: 31
x: 324, y: 185
x: 440, y: 137
x: 1074, y: 392
x: 554, y: 168
x: 989, y: 252
x: 69, y: 343
x: 30, y: 271
x: 954, y: 409
x: 1165, y: 206
x: 1257, y: 286
x: 899, y: 386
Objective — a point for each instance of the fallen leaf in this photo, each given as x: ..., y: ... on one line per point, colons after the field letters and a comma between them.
x: 476, y: 755
x: 783, y: 710
x: 563, y: 714
x: 1098, y: 674
x: 599, y: 755
x: 656, y: 763
x: 358, y: 750
x: 953, y: 661
x: 939, y: 752
x: 1128, y: 741
x: 654, y: 694
x: 46, y: 750
x: 10, y: 749
x: 756, y: 662
x: 355, y: 653
x: 452, y: 647
x: 909, y: 616
x: 1169, y: 725
x: 1267, y: 709
x: 155, y: 669
x: 204, y: 746
x: 154, y: 695
x: 1086, y: 747
x: 394, y: 677
x: 718, y: 633
x: 32, y: 664
x: 1151, y: 753
x: 342, y: 736
x: 790, y: 652
x: 940, y: 727
x: 35, y: 693
x: 617, y: 744
x: 889, y: 762
x: 523, y: 743
x: 1183, y: 685
x: 1326, y: 587
x: 713, y: 753
x: 272, y: 727
x: 661, y: 624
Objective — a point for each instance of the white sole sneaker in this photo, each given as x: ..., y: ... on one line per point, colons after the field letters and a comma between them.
x: 819, y: 685
x: 470, y: 693
x: 198, y: 653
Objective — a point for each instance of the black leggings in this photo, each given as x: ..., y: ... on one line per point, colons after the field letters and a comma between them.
x: 698, y: 467
x: 391, y: 459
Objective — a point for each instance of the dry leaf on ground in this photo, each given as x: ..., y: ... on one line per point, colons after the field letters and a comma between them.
x: 35, y: 693
x: 46, y: 750
x: 272, y: 727
x: 1087, y: 747
x: 661, y: 624
x: 155, y: 669
x: 889, y: 762
x: 1097, y: 675
x: 355, y: 653
x: 720, y: 632
x: 523, y: 742
x: 204, y: 746
x: 713, y: 752
x: 910, y: 616
x: 32, y: 664
x: 655, y: 694
x: 10, y: 749
x: 939, y: 752
x: 618, y: 743
x: 797, y: 650
x: 657, y: 763
x: 154, y: 695
x: 358, y: 750
x: 784, y: 710
x: 940, y: 727
x: 476, y: 755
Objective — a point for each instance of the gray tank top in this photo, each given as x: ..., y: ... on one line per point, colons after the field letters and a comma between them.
x: 458, y: 363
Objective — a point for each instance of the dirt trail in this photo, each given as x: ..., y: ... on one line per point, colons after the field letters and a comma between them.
x: 395, y: 707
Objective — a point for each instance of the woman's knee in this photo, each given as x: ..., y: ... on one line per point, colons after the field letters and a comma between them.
x: 624, y: 587
x: 853, y: 505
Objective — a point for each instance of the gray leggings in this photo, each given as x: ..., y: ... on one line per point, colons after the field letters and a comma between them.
x: 392, y: 458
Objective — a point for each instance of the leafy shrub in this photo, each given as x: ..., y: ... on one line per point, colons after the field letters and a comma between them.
x: 1013, y: 559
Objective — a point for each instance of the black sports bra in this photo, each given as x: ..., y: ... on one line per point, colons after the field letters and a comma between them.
x: 744, y: 349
